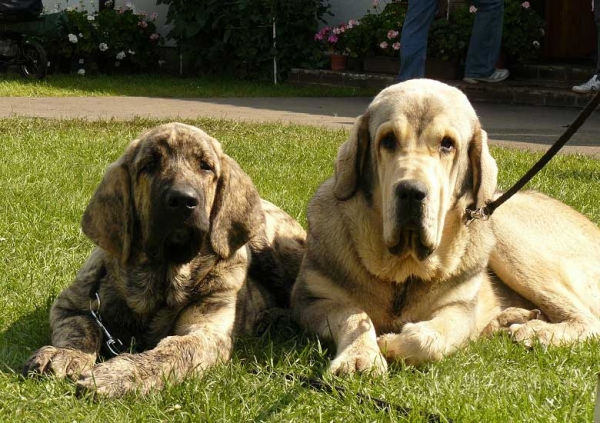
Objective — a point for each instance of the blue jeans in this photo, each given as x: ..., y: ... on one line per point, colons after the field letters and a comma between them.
x: 597, y: 21
x: 484, y: 47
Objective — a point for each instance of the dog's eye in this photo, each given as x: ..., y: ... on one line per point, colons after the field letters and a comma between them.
x: 388, y: 142
x: 447, y: 144
x: 148, y: 166
x: 150, y: 162
x: 204, y: 165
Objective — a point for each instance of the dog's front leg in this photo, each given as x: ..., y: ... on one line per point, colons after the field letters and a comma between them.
x: 335, y: 318
x: 354, y: 335
x: 75, y: 339
x: 202, y: 338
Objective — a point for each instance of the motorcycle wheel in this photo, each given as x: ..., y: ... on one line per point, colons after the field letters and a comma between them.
x: 35, y: 63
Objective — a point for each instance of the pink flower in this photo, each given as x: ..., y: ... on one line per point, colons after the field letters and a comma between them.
x: 332, y: 39
x: 375, y: 3
x: 383, y: 44
x: 525, y: 5
x: 143, y: 24
x: 323, y: 32
x: 337, y: 30
x: 352, y: 23
x: 392, y: 34
x: 472, y: 9
x: 318, y: 36
x: 396, y: 46
x: 154, y: 36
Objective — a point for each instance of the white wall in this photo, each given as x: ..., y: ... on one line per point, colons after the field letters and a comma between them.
x: 344, y: 10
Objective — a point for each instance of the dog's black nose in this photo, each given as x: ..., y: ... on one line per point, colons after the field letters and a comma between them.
x: 412, y: 191
x: 182, y: 199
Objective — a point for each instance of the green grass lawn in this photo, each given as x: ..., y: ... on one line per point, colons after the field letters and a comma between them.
x: 48, y: 170
x: 162, y: 86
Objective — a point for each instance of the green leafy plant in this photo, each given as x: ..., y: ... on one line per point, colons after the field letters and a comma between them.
x: 357, y: 37
x: 237, y: 37
x: 378, y: 32
x: 523, y: 32
x: 386, y: 35
x: 449, y: 38
x: 80, y: 34
x: 113, y: 38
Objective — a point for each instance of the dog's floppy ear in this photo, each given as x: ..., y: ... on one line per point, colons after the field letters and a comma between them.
x: 236, y: 215
x: 485, y: 170
x: 350, y: 158
x: 108, y: 218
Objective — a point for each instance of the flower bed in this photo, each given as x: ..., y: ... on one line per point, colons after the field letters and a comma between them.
x: 377, y: 34
x: 120, y: 40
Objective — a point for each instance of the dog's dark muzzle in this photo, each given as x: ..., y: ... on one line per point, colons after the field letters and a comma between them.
x: 180, y: 224
x: 410, y: 205
x: 180, y: 202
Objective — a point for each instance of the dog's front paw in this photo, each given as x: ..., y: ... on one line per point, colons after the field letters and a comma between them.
x: 511, y: 316
x: 556, y: 334
x: 61, y: 362
x: 355, y: 359
x: 417, y: 343
x: 113, y: 378
x: 535, y: 331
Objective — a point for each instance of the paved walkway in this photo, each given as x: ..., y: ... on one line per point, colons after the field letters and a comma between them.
x: 532, y: 128
x: 328, y: 112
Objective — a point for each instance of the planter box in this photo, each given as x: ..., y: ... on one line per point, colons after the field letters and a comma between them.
x: 442, y: 69
x: 381, y: 64
x: 434, y: 68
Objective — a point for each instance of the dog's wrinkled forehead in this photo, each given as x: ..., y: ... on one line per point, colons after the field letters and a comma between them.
x: 419, y: 102
x: 177, y: 140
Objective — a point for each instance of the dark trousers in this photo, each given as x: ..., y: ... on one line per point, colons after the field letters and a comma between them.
x: 597, y: 21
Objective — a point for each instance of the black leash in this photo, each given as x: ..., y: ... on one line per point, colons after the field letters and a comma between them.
x: 483, y: 213
x: 320, y: 385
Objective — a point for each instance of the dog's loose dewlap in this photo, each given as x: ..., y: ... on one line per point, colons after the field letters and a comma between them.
x: 392, y: 271
x: 188, y: 257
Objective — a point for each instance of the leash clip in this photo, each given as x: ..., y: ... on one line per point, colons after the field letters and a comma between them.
x: 114, y: 345
x: 477, y: 214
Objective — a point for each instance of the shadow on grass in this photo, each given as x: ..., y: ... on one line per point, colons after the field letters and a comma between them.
x: 278, y: 338
x: 26, y: 334
x: 281, y: 342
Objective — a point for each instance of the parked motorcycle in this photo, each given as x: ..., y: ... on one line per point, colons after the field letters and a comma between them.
x: 18, y: 48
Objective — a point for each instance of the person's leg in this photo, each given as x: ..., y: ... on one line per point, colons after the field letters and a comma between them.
x: 597, y: 21
x: 413, y: 40
x: 593, y: 84
x: 486, y: 39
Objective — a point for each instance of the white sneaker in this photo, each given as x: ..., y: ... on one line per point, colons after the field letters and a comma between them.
x: 592, y: 85
x: 498, y: 75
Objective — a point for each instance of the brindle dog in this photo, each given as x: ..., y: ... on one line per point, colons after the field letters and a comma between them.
x: 188, y: 258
